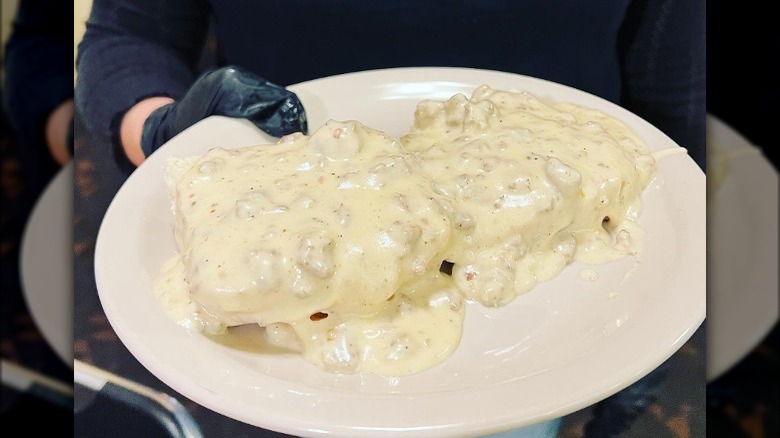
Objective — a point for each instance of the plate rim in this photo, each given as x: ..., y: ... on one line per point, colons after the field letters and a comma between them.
x: 26, y: 260
x: 717, y: 367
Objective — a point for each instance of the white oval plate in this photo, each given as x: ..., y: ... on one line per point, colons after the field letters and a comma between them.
x: 46, y: 263
x: 742, y: 249
x: 561, y: 347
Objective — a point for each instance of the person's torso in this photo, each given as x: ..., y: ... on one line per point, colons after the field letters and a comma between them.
x: 566, y: 41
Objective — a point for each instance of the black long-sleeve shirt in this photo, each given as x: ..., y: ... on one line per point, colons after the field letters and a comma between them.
x: 646, y: 55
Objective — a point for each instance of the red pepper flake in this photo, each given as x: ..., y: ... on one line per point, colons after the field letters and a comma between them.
x: 470, y: 276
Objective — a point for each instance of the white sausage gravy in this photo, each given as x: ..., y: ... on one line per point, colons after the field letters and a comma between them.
x: 341, y: 244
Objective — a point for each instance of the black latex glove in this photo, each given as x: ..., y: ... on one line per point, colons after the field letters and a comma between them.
x: 230, y: 92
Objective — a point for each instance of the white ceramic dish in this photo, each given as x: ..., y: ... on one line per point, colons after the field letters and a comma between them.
x: 46, y: 263
x: 742, y: 248
x: 561, y: 347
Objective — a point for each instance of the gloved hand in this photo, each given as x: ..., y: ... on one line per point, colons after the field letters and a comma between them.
x: 231, y: 92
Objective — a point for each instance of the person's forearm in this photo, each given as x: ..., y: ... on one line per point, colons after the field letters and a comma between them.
x: 131, y: 128
x: 57, y: 131
x: 132, y: 52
